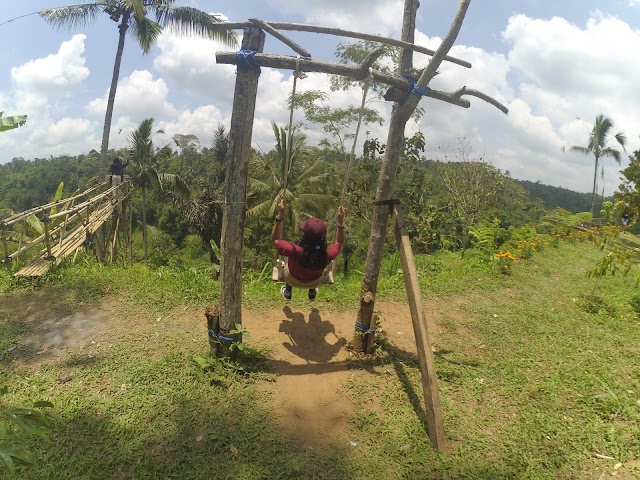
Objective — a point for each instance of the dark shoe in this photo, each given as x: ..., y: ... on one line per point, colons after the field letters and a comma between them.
x: 285, y: 293
x: 312, y: 293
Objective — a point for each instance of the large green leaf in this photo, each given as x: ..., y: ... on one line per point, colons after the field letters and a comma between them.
x: 9, y: 123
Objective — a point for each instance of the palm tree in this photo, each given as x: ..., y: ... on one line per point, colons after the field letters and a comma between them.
x: 289, y: 173
x: 597, y: 146
x: 144, y: 159
x: 133, y: 15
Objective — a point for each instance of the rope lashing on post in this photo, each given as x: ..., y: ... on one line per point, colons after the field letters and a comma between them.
x: 362, y: 329
x: 217, y: 336
x: 413, y: 88
x: 246, y: 59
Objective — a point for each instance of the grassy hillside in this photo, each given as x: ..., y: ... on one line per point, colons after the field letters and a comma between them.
x: 537, y: 376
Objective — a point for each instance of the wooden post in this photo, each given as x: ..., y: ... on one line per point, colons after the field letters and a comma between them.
x: 435, y: 422
x: 236, y: 172
x: 370, y: 335
x: 395, y: 143
x: 130, y: 232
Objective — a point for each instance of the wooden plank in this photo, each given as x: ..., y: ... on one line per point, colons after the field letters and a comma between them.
x: 435, y: 421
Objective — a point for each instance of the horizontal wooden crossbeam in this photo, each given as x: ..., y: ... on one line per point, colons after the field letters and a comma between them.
x: 358, y: 72
x: 301, y: 27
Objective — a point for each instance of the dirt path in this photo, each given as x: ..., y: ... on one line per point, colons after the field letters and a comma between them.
x: 311, y: 358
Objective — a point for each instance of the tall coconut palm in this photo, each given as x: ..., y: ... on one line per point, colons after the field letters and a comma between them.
x: 144, y: 159
x: 132, y: 15
x: 289, y: 173
x: 597, y: 146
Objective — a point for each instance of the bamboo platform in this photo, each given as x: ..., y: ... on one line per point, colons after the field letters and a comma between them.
x: 68, y: 243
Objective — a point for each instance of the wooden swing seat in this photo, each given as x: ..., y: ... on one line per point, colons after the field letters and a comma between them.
x: 278, y: 273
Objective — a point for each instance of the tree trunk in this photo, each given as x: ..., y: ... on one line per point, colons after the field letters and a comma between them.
x: 236, y: 172
x: 595, y: 181
x: 143, y: 191
x: 395, y: 142
x: 123, y: 27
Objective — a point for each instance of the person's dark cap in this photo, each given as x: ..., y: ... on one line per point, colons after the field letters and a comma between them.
x: 314, y: 229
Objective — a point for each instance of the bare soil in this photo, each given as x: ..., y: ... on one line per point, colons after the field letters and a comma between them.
x: 310, y: 354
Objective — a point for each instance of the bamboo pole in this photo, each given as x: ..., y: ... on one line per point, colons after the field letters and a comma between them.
x: 42, y: 208
x: 115, y: 239
x: 47, y: 240
x: 433, y: 410
x: 5, y: 244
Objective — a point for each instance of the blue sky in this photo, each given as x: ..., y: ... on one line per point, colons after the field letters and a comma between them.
x: 556, y: 65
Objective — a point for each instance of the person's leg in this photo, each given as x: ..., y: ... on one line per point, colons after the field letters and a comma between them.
x: 286, y: 291
x: 312, y: 293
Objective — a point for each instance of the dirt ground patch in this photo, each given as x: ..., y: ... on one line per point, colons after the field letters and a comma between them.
x: 311, y: 359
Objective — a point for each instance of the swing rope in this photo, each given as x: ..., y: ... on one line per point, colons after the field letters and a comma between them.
x: 347, y: 172
x: 296, y: 74
x: 289, y: 145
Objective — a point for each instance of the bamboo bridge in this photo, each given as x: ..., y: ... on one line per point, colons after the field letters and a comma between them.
x: 62, y: 228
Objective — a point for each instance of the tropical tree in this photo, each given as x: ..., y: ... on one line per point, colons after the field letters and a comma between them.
x: 628, y: 195
x: 132, y: 15
x: 597, y: 146
x: 203, y: 210
x: 144, y: 159
x: 9, y: 123
x: 289, y: 173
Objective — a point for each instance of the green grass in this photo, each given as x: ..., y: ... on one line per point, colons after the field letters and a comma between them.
x: 532, y: 383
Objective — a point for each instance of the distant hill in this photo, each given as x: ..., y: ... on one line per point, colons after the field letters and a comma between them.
x: 553, y: 197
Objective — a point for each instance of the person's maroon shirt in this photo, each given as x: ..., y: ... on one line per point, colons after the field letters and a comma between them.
x: 293, y: 252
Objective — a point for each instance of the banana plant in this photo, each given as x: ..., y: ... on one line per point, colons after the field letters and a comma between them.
x: 9, y: 123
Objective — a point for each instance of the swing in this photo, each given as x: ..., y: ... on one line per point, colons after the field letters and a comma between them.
x: 327, y: 274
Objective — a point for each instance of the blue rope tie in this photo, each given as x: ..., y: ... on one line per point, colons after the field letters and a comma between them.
x: 362, y: 329
x: 216, y: 336
x: 413, y: 88
x: 246, y: 59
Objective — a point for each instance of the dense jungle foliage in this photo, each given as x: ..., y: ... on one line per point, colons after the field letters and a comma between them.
x: 443, y: 201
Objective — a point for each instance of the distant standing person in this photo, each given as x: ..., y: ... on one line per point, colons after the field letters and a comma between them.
x: 117, y: 171
x: 625, y: 219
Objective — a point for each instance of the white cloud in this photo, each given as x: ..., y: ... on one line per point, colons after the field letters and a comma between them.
x: 189, y: 65
x: 382, y: 17
x: 55, y: 73
x: 200, y: 122
x: 138, y: 96
x: 42, y: 89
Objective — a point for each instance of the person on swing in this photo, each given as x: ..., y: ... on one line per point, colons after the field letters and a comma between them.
x: 307, y: 260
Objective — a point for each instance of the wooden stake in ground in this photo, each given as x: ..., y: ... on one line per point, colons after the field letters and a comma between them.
x: 236, y: 173
x: 435, y: 421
